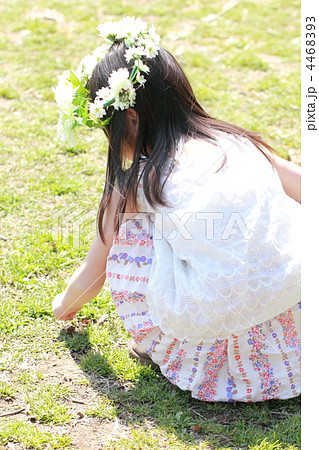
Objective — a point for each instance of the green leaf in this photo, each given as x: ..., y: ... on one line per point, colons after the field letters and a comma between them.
x: 77, y: 100
x: 74, y: 79
x: 89, y: 123
x: 83, y: 91
x: 133, y: 73
x: 75, y: 124
x: 80, y: 100
x: 85, y: 112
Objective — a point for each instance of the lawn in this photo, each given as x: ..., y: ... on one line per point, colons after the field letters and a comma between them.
x: 72, y: 385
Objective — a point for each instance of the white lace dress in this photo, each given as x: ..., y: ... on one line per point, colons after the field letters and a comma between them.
x: 210, y: 285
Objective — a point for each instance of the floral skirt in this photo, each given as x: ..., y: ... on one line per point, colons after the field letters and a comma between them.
x: 260, y: 364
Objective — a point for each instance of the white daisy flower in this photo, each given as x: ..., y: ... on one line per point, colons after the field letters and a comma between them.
x: 125, y: 99
x: 134, y: 53
x: 131, y: 27
x: 153, y: 35
x: 108, y: 30
x: 128, y: 28
x: 100, y: 52
x: 64, y: 91
x: 103, y: 94
x: 79, y: 74
x: 151, y: 48
x: 66, y: 130
x: 140, y: 78
x: 96, y: 109
x: 141, y: 67
x: 88, y: 64
x: 119, y: 81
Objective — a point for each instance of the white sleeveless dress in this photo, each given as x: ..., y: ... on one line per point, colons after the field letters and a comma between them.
x: 210, y: 284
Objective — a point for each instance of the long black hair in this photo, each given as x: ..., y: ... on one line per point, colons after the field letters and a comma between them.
x: 167, y: 111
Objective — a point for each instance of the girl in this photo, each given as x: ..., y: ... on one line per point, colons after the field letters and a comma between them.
x: 199, y: 236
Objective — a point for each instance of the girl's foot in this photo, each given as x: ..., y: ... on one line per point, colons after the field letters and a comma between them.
x: 136, y: 351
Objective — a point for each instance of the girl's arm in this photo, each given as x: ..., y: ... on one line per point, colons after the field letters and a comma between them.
x: 85, y: 283
x: 88, y: 279
x: 290, y: 176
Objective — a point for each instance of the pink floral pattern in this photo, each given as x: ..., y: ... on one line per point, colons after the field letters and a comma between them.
x: 269, y: 385
x: 231, y: 388
x: 133, y: 234
x: 140, y: 331
x: 194, y: 370
x: 215, y: 359
x: 155, y: 342
x: 124, y: 296
x: 291, y: 370
x: 241, y: 369
x: 169, y: 351
x: 175, y: 366
x: 292, y: 340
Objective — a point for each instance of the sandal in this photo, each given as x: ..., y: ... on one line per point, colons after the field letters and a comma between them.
x: 136, y: 351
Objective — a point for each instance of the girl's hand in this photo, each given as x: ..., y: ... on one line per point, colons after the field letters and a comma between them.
x: 87, y: 281
x: 62, y: 310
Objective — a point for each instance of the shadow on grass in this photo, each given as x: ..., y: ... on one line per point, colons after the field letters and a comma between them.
x: 148, y: 403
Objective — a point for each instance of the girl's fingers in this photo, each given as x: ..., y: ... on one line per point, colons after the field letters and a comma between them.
x: 70, y: 316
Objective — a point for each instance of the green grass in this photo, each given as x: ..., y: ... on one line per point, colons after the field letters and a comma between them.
x: 244, y: 66
x: 103, y: 409
x: 6, y: 390
x: 45, y: 404
x: 29, y: 436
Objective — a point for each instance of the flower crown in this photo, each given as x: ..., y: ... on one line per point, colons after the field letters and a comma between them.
x: 72, y: 93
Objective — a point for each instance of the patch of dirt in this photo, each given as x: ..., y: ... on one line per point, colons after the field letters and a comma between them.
x: 278, y: 62
x: 46, y: 14
x: 93, y: 434
x: 16, y: 37
x: 87, y: 433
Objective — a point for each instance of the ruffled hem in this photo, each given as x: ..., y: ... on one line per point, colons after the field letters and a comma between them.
x: 260, y: 364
